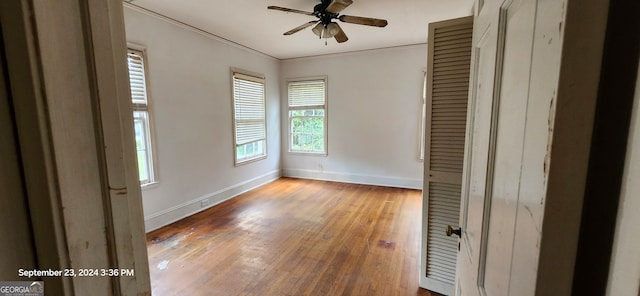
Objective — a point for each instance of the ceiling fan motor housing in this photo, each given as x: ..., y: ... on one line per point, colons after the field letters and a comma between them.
x: 320, y: 11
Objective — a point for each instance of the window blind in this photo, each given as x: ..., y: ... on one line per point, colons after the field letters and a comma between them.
x: 136, y: 78
x: 305, y: 94
x: 249, y: 109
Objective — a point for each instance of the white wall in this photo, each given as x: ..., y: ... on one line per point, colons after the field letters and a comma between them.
x: 374, y: 111
x: 190, y: 100
x: 624, y: 273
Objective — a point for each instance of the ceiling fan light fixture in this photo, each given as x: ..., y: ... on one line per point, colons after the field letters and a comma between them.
x: 332, y: 29
x: 326, y: 31
x: 318, y: 29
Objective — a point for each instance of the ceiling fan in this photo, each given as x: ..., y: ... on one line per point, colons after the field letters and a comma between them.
x: 326, y: 12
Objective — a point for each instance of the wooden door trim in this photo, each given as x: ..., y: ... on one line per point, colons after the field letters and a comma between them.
x: 582, y: 30
x: 36, y: 148
x: 76, y: 141
x: 608, y: 152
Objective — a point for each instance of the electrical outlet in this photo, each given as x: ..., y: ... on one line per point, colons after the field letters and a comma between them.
x: 204, y: 202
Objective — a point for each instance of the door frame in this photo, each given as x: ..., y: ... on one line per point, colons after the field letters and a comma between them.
x: 609, y: 153
x: 67, y: 70
x: 569, y: 38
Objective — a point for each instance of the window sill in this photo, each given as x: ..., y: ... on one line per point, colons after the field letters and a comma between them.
x: 309, y: 153
x: 250, y: 160
x: 149, y: 185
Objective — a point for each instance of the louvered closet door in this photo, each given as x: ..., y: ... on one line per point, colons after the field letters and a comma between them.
x: 448, y: 67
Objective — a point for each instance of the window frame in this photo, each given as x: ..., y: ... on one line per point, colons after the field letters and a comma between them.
x: 325, y: 108
x: 256, y: 77
x: 147, y: 107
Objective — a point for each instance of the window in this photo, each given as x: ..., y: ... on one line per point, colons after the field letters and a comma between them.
x: 307, y: 116
x: 249, y: 124
x: 141, y: 120
x: 423, y: 122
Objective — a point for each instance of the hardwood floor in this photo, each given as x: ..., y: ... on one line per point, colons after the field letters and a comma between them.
x: 294, y: 237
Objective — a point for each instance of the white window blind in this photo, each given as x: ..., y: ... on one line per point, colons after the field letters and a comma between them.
x: 137, y: 78
x: 306, y: 94
x: 249, y: 108
x: 249, y: 125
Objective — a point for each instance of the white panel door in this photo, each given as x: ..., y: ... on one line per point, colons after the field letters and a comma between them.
x: 495, y: 144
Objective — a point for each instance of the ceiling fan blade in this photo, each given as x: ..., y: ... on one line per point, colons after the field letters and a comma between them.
x: 300, y: 28
x: 340, y: 36
x: 289, y: 10
x: 367, y: 21
x: 337, y: 6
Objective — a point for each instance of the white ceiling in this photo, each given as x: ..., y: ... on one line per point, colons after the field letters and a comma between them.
x: 249, y: 23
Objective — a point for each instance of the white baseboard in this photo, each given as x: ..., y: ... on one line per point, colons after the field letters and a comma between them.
x: 354, y: 178
x: 168, y: 216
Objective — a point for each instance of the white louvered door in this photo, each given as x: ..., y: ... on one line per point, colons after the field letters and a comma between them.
x: 448, y: 68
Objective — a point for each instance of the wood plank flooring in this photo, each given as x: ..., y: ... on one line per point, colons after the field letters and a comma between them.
x: 294, y: 237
